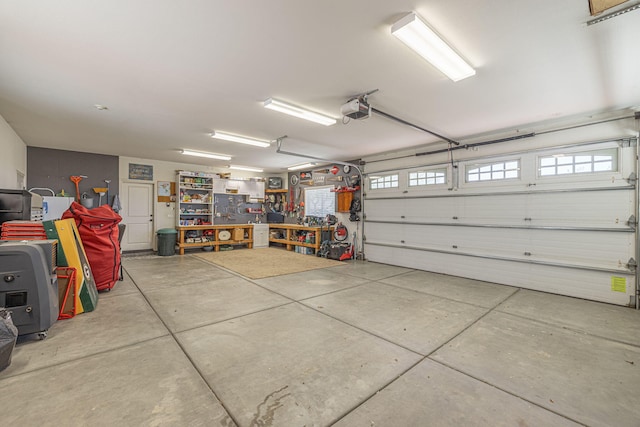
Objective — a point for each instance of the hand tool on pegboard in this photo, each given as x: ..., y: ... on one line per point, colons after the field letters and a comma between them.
x: 108, y: 181
x: 76, y: 180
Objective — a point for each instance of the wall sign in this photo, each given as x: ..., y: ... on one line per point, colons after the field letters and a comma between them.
x: 306, y: 176
x: 144, y: 172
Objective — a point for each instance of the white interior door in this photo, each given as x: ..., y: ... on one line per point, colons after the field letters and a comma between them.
x: 137, y: 214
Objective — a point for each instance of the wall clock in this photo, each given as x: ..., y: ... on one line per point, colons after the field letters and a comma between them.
x: 346, y: 168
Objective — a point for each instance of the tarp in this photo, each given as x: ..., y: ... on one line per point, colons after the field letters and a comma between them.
x: 98, y: 229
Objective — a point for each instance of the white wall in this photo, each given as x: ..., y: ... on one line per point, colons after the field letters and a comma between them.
x: 13, y: 158
x: 164, y: 213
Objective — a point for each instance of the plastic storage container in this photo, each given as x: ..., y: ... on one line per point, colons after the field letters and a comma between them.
x: 167, y: 241
x: 8, y: 336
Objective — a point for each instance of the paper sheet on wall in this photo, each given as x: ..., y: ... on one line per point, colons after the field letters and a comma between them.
x: 618, y: 284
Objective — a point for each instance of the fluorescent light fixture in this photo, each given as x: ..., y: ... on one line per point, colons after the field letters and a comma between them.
x: 207, y: 155
x: 240, y: 139
x: 305, y: 166
x: 292, y: 110
x: 245, y: 168
x: 413, y: 32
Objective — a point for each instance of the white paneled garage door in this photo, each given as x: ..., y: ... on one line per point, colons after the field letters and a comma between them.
x: 562, y: 220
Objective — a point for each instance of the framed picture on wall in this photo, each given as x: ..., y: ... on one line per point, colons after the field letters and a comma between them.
x: 164, y: 188
x: 166, y: 191
x: 274, y: 183
x: 143, y: 172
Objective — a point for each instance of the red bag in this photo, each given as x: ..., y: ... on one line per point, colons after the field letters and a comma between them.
x: 98, y: 229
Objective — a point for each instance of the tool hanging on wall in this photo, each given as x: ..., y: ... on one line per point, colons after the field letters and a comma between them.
x: 101, y: 191
x: 290, y: 206
x: 76, y: 180
x: 108, y: 181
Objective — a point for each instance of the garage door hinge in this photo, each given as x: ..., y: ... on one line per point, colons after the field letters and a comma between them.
x: 631, y: 222
x: 527, y: 253
x: 625, y: 143
x: 632, y: 264
x: 632, y: 178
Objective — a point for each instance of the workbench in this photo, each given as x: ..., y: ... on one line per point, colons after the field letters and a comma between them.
x: 289, y: 238
x: 241, y: 234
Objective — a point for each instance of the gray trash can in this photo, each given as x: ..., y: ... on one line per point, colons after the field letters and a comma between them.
x: 167, y: 241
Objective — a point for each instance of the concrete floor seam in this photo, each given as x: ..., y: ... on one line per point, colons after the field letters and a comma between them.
x: 443, y: 297
x: 253, y: 281
x: 379, y: 390
x: 86, y: 356
x: 382, y: 278
x: 361, y: 329
x: 503, y: 390
x: 489, y: 311
x: 568, y: 328
x: 195, y: 367
x: 235, y: 317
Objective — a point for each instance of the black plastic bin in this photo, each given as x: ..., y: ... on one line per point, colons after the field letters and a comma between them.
x: 167, y: 241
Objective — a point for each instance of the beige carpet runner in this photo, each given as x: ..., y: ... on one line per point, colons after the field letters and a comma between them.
x: 266, y: 262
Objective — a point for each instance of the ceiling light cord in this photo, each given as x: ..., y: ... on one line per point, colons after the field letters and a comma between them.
x: 404, y: 122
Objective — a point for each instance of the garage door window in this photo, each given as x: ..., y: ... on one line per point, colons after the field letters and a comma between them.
x: 575, y: 163
x: 380, y: 182
x: 493, y: 171
x: 432, y: 177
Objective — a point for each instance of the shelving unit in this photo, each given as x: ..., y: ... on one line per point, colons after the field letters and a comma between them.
x: 195, y: 198
x: 212, y: 235
x: 292, y: 241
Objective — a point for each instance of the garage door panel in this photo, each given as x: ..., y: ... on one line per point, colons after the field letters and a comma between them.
x: 591, y: 209
x: 539, y: 245
x: 384, y: 210
x: 593, y: 285
x: 490, y: 209
x: 434, y: 209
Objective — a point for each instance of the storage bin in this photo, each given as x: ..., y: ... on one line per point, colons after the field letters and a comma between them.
x: 167, y: 241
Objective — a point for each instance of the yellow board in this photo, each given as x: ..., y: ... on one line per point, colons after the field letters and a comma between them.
x: 86, y: 293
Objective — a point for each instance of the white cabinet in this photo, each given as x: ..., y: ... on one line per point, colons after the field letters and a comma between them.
x: 251, y: 187
x: 260, y: 235
x: 258, y: 190
x: 195, y: 198
x: 219, y: 185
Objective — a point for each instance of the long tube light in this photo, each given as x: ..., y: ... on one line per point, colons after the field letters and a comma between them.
x: 245, y: 168
x: 207, y: 155
x: 240, y: 139
x: 304, y: 166
x: 292, y: 110
x: 415, y: 33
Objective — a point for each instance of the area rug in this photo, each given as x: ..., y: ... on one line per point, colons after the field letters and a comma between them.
x: 266, y: 262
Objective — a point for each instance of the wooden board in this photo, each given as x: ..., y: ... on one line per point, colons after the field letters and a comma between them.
x: 598, y: 6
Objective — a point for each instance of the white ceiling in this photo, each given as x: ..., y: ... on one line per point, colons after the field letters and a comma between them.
x: 171, y: 72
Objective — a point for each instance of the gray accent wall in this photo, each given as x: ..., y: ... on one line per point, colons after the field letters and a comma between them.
x: 52, y: 169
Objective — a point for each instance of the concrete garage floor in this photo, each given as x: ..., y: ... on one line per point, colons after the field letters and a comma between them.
x: 183, y: 343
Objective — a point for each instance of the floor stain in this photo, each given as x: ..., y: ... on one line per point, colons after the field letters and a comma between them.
x: 269, y: 406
